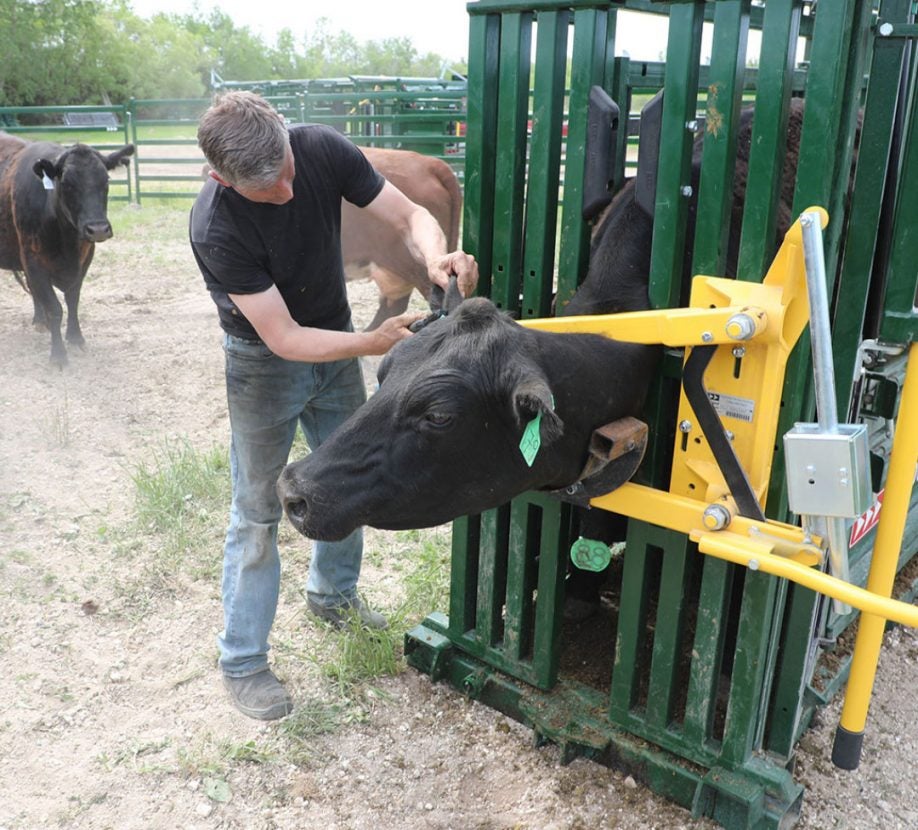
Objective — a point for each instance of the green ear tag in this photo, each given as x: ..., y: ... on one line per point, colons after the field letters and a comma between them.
x: 532, y: 440
x: 590, y: 555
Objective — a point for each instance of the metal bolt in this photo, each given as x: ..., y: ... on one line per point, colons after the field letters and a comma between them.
x: 685, y: 425
x: 739, y: 352
x: 686, y: 190
x: 729, y: 434
x: 691, y: 125
x: 753, y: 564
x: 885, y: 29
x: 716, y: 517
x: 741, y: 326
x: 706, y: 337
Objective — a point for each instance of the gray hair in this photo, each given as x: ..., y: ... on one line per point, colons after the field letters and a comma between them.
x: 244, y: 139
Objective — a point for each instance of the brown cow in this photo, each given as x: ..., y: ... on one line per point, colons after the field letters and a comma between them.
x: 53, y: 204
x: 367, y: 242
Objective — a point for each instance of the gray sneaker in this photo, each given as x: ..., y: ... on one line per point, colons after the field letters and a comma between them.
x: 259, y: 695
x: 352, y: 610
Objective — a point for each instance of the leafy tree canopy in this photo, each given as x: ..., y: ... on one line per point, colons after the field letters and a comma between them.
x: 100, y: 51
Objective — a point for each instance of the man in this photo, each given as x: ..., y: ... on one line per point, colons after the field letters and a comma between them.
x: 265, y: 231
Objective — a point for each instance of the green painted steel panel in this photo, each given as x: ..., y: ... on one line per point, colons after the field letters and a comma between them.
x: 481, y: 143
x: 900, y: 320
x: 631, y: 636
x: 553, y: 544
x: 675, y: 161
x: 544, y: 163
x: 707, y: 651
x: 669, y: 630
x: 866, y: 202
x: 463, y: 578
x: 725, y: 91
x: 793, y: 671
x: 749, y: 667
x: 510, y: 167
x: 588, y: 63
x: 769, y: 137
x: 519, y: 617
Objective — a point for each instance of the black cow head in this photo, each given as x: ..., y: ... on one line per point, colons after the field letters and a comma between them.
x: 439, y: 439
x: 78, y: 177
x: 470, y: 412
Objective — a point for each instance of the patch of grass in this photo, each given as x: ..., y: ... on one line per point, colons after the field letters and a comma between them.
x: 427, y: 580
x: 215, y: 757
x: 311, y: 718
x: 358, y: 655
x: 181, y: 497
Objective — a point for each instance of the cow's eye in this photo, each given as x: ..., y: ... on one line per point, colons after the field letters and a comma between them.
x: 438, y: 419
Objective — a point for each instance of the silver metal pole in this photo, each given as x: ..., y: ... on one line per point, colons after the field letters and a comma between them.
x: 824, y: 372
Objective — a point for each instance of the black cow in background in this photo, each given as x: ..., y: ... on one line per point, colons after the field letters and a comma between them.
x: 53, y: 203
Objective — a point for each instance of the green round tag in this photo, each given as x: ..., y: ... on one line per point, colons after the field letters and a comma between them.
x: 590, y: 555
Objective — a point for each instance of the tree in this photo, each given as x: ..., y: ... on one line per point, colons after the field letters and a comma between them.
x: 100, y: 51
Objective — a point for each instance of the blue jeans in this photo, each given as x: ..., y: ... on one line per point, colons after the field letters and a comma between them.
x: 267, y: 397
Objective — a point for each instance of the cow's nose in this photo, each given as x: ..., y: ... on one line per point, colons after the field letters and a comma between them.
x: 97, y: 231
x: 297, y: 510
x: 294, y: 503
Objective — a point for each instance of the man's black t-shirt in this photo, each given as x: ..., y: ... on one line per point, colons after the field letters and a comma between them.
x: 245, y: 247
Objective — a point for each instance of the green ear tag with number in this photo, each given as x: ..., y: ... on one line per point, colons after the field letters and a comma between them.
x: 590, y: 555
x: 532, y: 440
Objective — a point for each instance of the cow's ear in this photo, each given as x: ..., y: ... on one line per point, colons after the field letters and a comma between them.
x: 532, y: 398
x: 112, y: 160
x: 43, y: 168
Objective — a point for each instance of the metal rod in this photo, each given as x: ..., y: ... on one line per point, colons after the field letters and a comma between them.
x: 900, y: 481
x: 824, y: 373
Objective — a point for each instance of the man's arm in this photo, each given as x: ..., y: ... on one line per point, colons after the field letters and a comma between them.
x: 269, y: 316
x: 424, y: 238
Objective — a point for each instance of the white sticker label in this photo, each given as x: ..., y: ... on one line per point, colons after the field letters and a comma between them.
x: 729, y: 406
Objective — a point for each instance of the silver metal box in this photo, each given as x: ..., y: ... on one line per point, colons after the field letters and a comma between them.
x: 828, y: 474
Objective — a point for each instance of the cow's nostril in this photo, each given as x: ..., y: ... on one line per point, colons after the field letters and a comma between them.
x: 297, y: 510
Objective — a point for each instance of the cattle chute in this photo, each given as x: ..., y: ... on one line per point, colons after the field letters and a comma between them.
x: 714, y: 668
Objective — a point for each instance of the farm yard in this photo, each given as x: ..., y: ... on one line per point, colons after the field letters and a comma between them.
x: 113, y: 495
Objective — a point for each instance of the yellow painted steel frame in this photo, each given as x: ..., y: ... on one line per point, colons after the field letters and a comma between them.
x: 765, y: 320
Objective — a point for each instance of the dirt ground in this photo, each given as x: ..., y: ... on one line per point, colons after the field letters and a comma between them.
x: 110, y: 700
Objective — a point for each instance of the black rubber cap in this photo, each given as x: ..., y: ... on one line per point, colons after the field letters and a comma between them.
x: 846, y: 751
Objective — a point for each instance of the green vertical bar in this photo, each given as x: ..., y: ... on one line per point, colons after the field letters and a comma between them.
x: 669, y: 628
x: 707, y: 651
x: 866, y: 199
x: 492, y: 574
x: 481, y: 142
x: 680, y: 104
x: 823, y: 171
x: 632, y: 631
x: 749, y: 667
x: 549, y: 605
x: 510, y: 169
x: 544, y: 163
x: 900, y: 322
x: 769, y: 137
x: 517, y: 598
x: 621, y: 94
x: 790, y: 678
x: 588, y: 64
x: 725, y: 92
x: 463, y: 579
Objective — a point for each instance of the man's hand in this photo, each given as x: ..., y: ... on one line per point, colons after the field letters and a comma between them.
x: 461, y: 264
x: 393, y: 330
